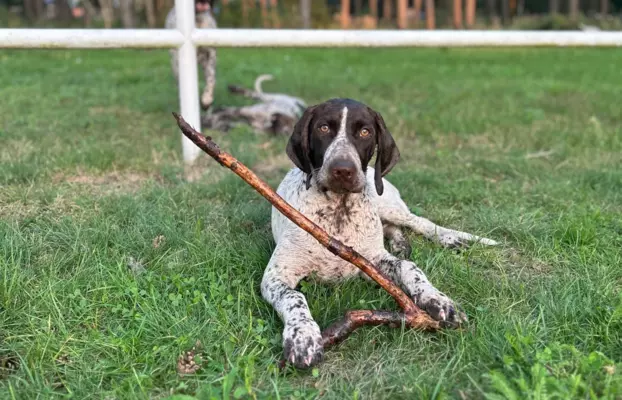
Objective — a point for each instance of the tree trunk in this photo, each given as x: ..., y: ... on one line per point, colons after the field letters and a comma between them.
x: 573, y: 9
x: 39, y: 8
x: 274, y: 14
x: 402, y: 17
x: 492, y: 10
x: 471, y: 6
x: 263, y: 4
x: 505, y: 11
x: 430, y: 17
x: 245, y: 12
x: 417, y: 7
x: 373, y: 8
x: 63, y: 11
x: 127, y: 13
x: 305, y: 13
x: 387, y: 10
x: 520, y: 8
x: 107, y: 13
x: 345, y: 14
x: 89, y: 12
x: 604, y: 7
x: 150, y: 13
x: 358, y: 7
x: 457, y: 14
x: 553, y: 7
x: 30, y: 10
x: 161, y: 9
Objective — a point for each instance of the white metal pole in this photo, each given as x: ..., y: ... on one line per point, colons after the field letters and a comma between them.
x: 188, y: 76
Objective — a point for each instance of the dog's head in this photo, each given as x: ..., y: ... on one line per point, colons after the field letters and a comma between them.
x: 335, y: 141
x: 202, y: 6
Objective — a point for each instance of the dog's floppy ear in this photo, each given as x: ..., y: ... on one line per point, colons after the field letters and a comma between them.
x: 298, y: 146
x: 387, y: 155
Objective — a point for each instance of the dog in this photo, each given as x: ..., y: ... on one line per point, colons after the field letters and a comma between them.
x: 332, y: 184
x: 289, y: 105
x: 206, y: 56
x: 275, y: 113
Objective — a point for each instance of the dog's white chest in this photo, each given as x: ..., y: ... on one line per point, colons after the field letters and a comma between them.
x: 351, y: 218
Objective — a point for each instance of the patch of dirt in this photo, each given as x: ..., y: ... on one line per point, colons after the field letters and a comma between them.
x: 273, y: 165
x: 19, y: 207
x: 109, y: 182
x: 110, y: 110
x: 13, y: 150
x: 525, y: 264
x: 24, y: 209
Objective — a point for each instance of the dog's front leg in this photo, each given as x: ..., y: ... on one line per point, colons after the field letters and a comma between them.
x: 414, y: 282
x: 302, y: 338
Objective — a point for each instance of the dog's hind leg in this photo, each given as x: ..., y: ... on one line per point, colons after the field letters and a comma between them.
x: 398, y: 242
x: 393, y: 211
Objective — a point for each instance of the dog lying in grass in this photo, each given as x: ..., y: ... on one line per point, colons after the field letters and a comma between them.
x: 332, y: 184
x: 274, y: 113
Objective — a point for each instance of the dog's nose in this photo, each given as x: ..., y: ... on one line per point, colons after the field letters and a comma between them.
x: 343, y: 170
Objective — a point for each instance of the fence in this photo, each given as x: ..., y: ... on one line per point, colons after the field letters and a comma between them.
x: 186, y: 38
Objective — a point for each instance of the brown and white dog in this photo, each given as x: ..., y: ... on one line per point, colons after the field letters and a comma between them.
x: 206, y: 56
x: 273, y: 113
x: 332, y: 184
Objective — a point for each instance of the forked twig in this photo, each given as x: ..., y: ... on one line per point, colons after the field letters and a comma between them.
x: 412, y: 316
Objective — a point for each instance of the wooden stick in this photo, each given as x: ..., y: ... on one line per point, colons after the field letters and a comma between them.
x: 412, y: 315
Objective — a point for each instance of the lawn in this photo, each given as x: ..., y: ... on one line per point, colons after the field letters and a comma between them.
x: 114, y: 260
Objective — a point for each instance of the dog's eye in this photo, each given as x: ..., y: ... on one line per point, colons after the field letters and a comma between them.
x: 324, y: 128
x: 364, y: 132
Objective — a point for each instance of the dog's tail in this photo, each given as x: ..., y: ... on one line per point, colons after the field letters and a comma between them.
x: 257, y: 94
x: 260, y: 79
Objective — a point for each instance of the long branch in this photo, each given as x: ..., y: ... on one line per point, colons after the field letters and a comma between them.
x: 413, y: 315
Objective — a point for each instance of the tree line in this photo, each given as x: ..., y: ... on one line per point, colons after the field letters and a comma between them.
x: 368, y: 14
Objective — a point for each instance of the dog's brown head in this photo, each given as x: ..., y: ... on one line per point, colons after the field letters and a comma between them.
x: 335, y: 141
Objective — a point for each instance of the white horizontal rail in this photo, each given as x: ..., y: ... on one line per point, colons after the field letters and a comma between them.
x: 90, y: 38
x: 167, y: 38
x: 405, y: 38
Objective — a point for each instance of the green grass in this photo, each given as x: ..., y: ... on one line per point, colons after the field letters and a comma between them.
x: 523, y: 146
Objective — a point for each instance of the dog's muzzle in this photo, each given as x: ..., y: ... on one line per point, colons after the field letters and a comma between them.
x: 343, y: 177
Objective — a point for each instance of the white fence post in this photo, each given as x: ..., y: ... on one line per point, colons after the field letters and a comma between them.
x: 188, y: 76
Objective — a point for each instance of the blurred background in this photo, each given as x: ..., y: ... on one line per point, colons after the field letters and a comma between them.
x: 326, y: 14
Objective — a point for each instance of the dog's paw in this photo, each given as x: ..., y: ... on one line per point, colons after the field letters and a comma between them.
x: 401, y: 249
x: 441, y: 308
x: 302, y: 344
